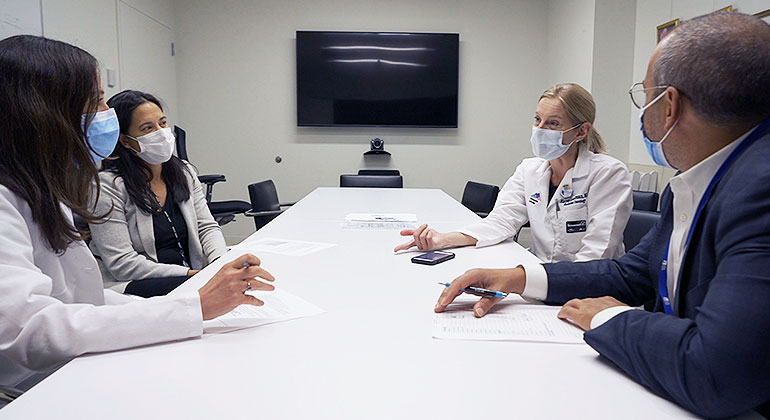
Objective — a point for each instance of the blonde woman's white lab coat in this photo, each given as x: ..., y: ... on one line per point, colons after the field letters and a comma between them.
x: 54, y: 307
x: 584, y: 220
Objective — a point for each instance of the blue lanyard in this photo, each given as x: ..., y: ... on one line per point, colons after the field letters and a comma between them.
x: 662, y: 278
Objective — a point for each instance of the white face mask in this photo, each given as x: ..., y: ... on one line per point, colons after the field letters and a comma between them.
x: 548, y: 144
x: 156, y: 147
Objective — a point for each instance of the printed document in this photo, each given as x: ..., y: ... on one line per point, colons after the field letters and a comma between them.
x: 279, y: 306
x: 373, y: 221
x: 513, y: 321
x: 288, y: 247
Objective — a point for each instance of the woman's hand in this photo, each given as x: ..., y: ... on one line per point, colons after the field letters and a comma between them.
x: 509, y: 280
x: 428, y: 239
x: 227, y: 289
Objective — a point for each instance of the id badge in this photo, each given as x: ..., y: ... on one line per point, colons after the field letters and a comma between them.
x: 574, y: 226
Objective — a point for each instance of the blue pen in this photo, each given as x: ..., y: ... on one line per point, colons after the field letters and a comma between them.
x: 479, y: 291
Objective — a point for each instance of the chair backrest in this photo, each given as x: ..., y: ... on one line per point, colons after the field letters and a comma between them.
x: 181, y: 143
x: 645, y: 200
x: 264, y: 197
x: 644, y: 181
x: 638, y: 225
x: 480, y: 198
x: 379, y: 172
x: 372, y: 181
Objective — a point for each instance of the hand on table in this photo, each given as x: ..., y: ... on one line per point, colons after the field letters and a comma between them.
x: 423, y: 238
x: 582, y: 311
x: 427, y: 239
x: 508, y: 280
x: 227, y: 289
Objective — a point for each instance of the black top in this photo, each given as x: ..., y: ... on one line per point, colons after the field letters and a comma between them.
x: 166, y: 245
x: 551, y: 191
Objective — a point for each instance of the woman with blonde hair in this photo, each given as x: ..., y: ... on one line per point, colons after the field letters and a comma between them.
x: 576, y: 198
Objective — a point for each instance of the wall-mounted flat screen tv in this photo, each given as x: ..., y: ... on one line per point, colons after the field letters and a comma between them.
x: 377, y: 79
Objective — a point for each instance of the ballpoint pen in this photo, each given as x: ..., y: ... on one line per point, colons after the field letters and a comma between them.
x: 479, y: 291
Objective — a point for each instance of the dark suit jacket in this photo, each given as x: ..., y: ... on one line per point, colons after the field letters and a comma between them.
x: 713, y: 356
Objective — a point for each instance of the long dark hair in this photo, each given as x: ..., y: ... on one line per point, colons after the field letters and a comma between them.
x: 136, y: 172
x: 45, y: 88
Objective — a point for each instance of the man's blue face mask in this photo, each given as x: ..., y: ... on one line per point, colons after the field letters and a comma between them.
x: 655, y: 149
x: 102, y: 134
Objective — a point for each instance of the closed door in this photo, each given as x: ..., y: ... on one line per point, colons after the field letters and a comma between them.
x: 146, y: 57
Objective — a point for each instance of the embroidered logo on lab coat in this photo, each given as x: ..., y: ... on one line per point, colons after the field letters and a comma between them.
x: 534, y: 198
x: 574, y: 200
x: 566, y: 191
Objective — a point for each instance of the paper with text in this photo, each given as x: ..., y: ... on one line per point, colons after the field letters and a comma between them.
x: 512, y: 321
x: 279, y: 306
x: 288, y: 247
x: 382, y: 221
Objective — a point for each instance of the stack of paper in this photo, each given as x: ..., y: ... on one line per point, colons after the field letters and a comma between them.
x: 372, y: 221
x: 288, y: 247
x: 507, y: 321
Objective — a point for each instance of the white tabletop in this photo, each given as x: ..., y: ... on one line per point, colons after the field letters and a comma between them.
x: 370, y: 356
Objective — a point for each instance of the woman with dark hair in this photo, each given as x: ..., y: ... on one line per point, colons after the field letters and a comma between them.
x: 53, y: 305
x: 160, y: 230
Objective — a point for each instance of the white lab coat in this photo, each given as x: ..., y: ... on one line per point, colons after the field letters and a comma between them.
x: 54, y: 307
x: 584, y: 220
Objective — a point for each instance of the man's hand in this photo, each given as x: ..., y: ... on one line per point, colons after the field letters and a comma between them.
x: 509, y: 280
x: 582, y: 311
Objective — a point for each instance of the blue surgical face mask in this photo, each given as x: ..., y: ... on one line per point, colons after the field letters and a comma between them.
x: 102, y: 134
x: 655, y: 149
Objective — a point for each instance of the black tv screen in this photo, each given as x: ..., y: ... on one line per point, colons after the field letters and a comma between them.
x: 377, y: 79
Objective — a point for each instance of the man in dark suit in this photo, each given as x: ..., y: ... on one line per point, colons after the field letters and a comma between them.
x: 706, y: 101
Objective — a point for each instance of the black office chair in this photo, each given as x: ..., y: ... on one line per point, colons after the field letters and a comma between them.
x: 372, y: 181
x: 645, y: 200
x: 480, y: 198
x: 223, y: 211
x: 8, y: 394
x: 264, y: 203
x: 638, y: 225
x: 379, y: 172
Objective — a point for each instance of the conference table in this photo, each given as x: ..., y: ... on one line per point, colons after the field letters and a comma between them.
x: 370, y: 355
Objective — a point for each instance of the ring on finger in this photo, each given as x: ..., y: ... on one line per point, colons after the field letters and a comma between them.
x: 248, y: 285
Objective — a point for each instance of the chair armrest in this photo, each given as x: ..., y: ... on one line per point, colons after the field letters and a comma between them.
x: 211, y: 179
x: 252, y: 213
x: 11, y: 392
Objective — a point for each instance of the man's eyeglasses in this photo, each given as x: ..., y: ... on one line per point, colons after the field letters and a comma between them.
x: 638, y: 95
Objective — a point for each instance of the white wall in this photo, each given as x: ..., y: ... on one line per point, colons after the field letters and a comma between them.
x: 613, y: 57
x: 570, y: 43
x: 96, y: 30
x: 130, y: 37
x: 20, y: 18
x: 236, y: 83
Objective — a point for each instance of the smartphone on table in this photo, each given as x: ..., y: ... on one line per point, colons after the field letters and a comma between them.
x: 433, y: 257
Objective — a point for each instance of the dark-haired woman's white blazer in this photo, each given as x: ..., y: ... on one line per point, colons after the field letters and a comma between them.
x: 54, y: 306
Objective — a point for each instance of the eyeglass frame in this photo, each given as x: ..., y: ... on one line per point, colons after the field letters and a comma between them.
x: 631, y: 92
